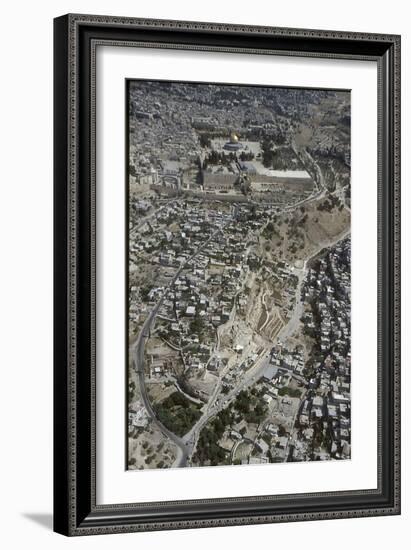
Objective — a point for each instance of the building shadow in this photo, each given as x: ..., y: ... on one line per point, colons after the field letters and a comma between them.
x: 45, y: 520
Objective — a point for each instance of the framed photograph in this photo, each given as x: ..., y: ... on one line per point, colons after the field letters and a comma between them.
x: 227, y: 275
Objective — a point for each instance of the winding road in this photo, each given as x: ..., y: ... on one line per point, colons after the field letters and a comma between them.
x: 138, y: 358
x: 186, y: 444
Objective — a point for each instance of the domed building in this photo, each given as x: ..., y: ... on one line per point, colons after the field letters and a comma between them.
x: 233, y: 144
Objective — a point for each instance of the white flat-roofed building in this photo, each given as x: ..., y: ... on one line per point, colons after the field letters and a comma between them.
x: 265, y: 178
x: 287, y: 174
x: 191, y: 311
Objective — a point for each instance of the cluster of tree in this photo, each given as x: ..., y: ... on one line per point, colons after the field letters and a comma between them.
x: 246, y: 156
x: 268, y: 154
x: 177, y: 413
x: 270, y: 231
x: 250, y: 408
x: 277, y: 137
x: 345, y: 120
x: 208, y: 450
x: 250, y: 215
x: 214, y: 158
x: 197, y: 326
x: 321, y: 438
x: 278, y: 159
x: 132, y: 170
x: 294, y: 230
x: 302, y: 220
x: 253, y: 262
x: 186, y: 386
x: 332, y: 152
x: 144, y: 292
x: 205, y: 140
x: 289, y: 391
x: 330, y: 176
x: 243, y: 402
x: 328, y: 204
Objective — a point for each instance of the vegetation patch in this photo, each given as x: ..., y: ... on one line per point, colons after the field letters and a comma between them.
x: 208, y: 450
x: 290, y: 392
x: 177, y: 413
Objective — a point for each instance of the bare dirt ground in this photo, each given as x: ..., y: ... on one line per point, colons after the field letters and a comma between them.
x: 148, y: 444
x: 287, y: 409
x: 300, y: 234
x: 159, y: 392
x: 303, y: 138
x: 151, y: 449
x: 205, y: 385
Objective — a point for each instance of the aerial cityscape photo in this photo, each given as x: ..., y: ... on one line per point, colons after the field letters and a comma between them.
x: 239, y: 275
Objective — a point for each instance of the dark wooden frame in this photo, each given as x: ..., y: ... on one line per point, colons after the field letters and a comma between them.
x: 76, y: 38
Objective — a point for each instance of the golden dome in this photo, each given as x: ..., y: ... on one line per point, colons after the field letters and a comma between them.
x: 233, y: 138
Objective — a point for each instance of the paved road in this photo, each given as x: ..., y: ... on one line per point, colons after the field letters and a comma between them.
x: 185, y: 446
x: 134, y: 229
x: 138, y: 357
x: 249, y: 379
x: 253, y: 374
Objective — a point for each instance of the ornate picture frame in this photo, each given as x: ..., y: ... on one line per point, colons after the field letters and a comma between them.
x: 76, y: 38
